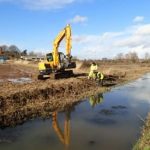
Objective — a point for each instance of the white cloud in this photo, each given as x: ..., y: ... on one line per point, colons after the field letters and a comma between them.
x: 79, y: 19
x: 109, y: 44
x: 138, y: 19
x: 41, y: 4
x: 141, y: 93
x: 143, y: 30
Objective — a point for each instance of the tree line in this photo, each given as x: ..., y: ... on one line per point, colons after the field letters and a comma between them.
x: 132, y: 56
x: 13, y: 52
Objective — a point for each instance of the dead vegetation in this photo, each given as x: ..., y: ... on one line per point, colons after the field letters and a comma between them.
x: 144, y: 141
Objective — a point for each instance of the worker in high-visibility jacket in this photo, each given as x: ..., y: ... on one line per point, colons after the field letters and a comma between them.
x: 93, y: 71
x: 100, y: 77
x: 96, y: 99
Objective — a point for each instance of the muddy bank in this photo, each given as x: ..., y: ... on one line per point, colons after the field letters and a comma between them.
x: 144, y: 142
x: 44, y: 111
x: 29, y: 101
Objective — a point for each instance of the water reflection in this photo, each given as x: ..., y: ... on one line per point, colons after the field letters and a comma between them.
x: 64, y: 137
x: 106, y: 121
x: 96, y: 99
x: 20, y: 80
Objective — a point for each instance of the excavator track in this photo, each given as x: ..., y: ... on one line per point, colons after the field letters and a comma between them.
x: 58, y: 75
x: 63, y: 74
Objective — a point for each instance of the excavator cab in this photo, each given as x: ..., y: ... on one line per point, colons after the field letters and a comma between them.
x: 64, y: 61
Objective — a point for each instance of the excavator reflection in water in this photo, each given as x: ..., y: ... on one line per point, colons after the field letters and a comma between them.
x: 96, y: 99
x: 63, y: 137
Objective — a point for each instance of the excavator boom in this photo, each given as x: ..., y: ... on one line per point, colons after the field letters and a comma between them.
x: 65, y: 33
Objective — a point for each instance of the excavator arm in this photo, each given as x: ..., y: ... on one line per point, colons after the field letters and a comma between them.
x: 65, y: 33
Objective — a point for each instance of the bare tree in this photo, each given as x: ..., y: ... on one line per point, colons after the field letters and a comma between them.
x: 14, y: 51
x: 120, y: 56
x: 132, y: 56
x: 32, y: 53
x: 11, y: 51
x: 24, y: 52
x: 147, y: 56
x: 4, y: 48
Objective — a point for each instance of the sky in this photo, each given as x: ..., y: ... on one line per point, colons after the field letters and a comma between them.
x: 100, y: 28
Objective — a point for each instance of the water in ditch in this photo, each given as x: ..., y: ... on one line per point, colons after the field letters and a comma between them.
x: 106, y: 121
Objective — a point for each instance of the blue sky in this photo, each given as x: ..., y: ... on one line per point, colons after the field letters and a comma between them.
x: 101, y: 28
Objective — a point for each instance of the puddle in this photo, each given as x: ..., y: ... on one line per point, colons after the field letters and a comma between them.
x: 106, y: 112
x: 20, y: 80
x: 108, y: 121
x: 119, y: 107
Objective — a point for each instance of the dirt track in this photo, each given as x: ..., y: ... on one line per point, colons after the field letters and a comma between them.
x: 19, y: 102
x: 13, y: 71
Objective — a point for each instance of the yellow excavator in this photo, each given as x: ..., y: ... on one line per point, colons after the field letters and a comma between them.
x: 57, y: 64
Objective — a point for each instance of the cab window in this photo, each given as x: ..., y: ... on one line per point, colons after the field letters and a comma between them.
x: 49, y: 57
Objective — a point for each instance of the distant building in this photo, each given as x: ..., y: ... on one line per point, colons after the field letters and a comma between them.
x: 32, y: 58
x: 2, y: 57
x: 104, y: 59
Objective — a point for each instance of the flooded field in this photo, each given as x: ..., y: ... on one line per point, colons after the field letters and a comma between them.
x: 109, y: 121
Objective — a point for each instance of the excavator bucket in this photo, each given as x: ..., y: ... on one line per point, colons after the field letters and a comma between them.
x: 72, y: 65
